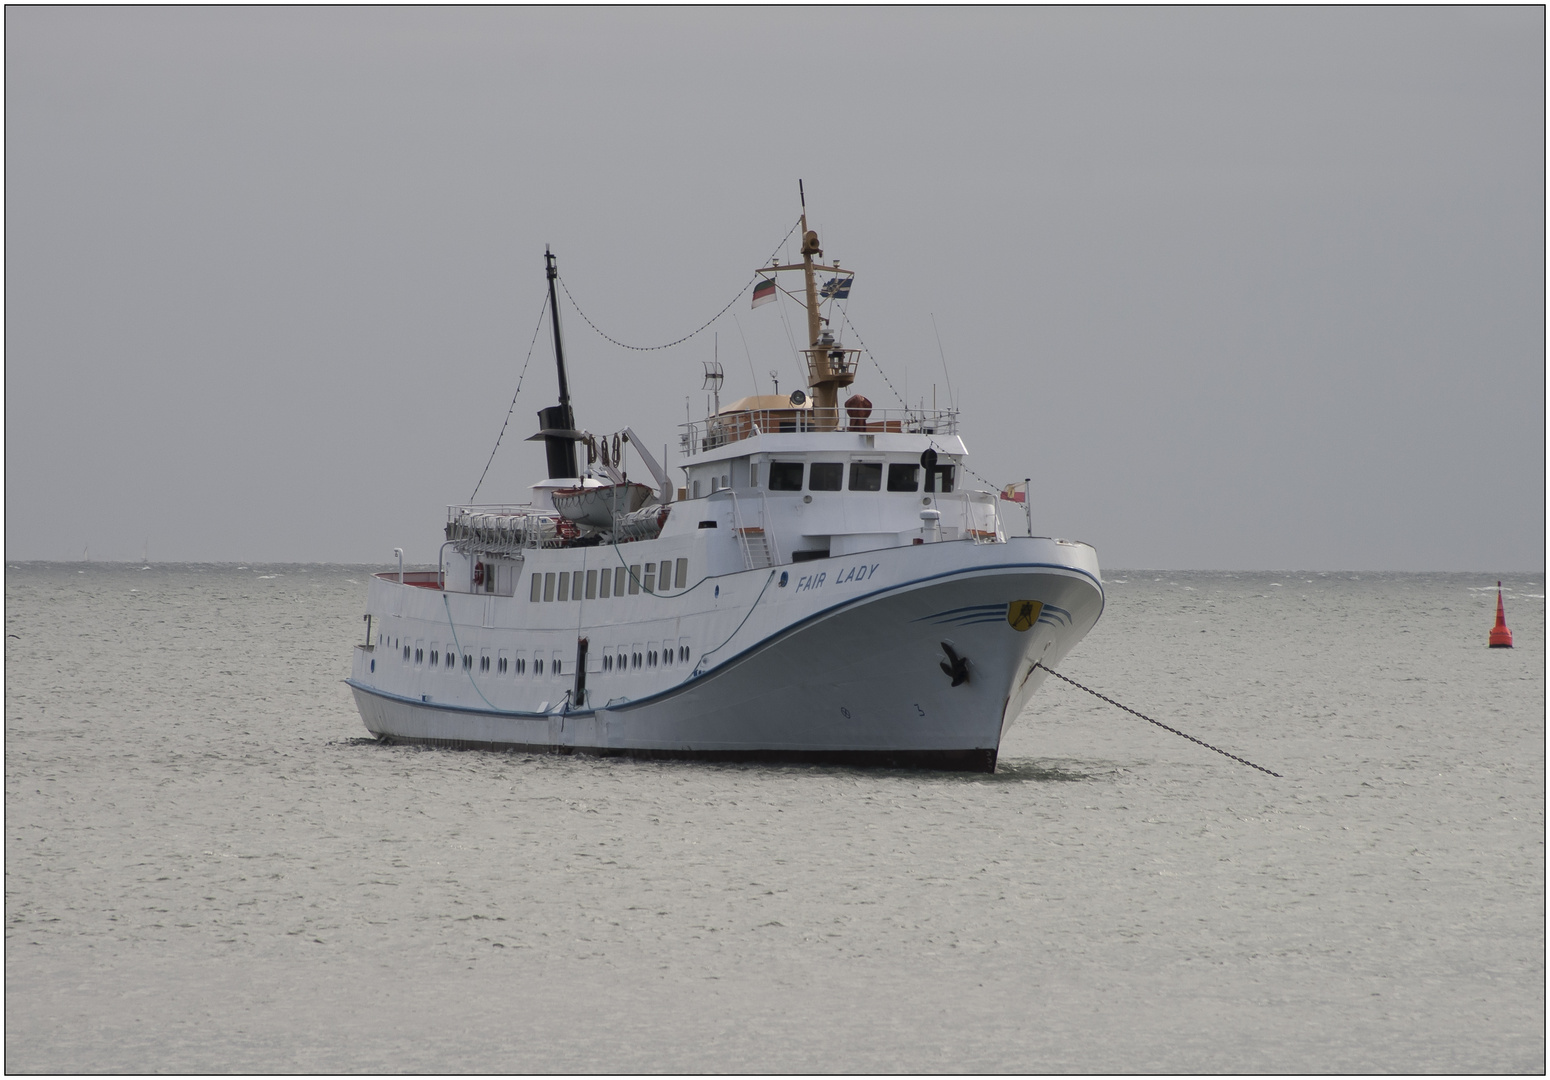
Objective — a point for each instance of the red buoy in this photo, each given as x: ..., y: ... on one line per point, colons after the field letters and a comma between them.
x: 1501, y: 637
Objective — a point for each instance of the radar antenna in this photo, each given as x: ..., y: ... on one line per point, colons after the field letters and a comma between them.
x: 714, y: 375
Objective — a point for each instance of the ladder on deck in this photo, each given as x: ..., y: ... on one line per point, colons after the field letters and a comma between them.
x: 756, y: 548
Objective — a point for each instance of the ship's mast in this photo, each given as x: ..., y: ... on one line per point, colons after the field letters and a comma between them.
x: 809, y: 249
x: 556, y: 424
x: 829, y: 366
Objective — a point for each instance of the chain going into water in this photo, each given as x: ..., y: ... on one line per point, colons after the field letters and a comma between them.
x: 686, y: 337
x: 530, y: 346
x: 1149, y: 720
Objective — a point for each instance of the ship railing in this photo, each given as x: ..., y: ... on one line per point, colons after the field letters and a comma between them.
x: 982, y: 517
x: 504, y: 529
x: 740, y: 530
x: 699, y: 436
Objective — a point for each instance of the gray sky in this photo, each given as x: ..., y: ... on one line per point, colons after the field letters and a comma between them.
x: 1238, y: 288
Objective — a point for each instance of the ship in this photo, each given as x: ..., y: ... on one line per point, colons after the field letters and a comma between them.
x: 824, y: 585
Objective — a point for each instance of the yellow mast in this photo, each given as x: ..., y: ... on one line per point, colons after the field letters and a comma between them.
x: 829, y: 366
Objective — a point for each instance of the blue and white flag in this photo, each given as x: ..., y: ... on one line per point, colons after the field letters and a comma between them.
x: 839, y: 288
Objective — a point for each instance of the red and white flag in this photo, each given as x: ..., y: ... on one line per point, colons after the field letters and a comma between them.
x: 1017, y: 493
x: 764, y: 292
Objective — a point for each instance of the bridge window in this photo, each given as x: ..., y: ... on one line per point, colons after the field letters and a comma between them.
x: 940, y: 479
x: 903, y: 477
x: 866, y: 476
x: 825, y: 476
x: 785, y: 476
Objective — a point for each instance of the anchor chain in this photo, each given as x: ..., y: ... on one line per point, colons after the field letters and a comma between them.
x: 1149, y: 720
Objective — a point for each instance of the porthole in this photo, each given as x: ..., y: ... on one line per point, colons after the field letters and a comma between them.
x: 468, y: 662
x: 538, y: 666
x: 374, y: 664
x: 435, y: 657
x: 450, y: 659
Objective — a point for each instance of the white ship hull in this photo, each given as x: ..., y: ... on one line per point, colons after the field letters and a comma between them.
x: 842, y: 662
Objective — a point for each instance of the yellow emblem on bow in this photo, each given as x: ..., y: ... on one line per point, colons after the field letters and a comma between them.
x: 1022, y: 614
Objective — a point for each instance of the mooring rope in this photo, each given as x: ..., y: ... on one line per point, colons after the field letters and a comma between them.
x: 1149, y: 720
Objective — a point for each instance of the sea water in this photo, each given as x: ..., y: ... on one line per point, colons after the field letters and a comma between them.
x: 210, y: 867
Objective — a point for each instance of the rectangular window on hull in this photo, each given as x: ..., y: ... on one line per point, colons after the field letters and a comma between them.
x: 866, y: 476
x: 825, y: 476
x: 563, y: 592
x: 903, y: 477
x: 538, y: 587
x: 604, y: 580
x: 634, y: 580
x: 549, y: 586
x: 785, y: 476
x: 665, y: 575
x: 619, y: 576
x: 651, y: 578
x: 591, y: 584
x: 683, y: 573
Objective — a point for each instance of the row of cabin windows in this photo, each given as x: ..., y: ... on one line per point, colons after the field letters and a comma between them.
x: 864, y: 476
x: 830, y: 476
x: 629, y: 660
x: 600, y: 584
x: 621, y: 660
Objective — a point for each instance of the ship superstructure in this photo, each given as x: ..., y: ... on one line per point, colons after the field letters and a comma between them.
x: 823, y: 585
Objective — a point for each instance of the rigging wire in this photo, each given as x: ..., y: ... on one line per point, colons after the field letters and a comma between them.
x: 542, y: 311
x: 846, y: 316
x: 655, y: 348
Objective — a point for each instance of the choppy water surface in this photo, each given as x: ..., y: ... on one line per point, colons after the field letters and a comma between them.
x: 210, y: 868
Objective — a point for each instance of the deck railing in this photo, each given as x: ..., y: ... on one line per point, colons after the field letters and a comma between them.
x: 699, y: 436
